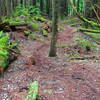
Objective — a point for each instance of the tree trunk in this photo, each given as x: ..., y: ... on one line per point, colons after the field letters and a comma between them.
x: 52, y: 52
x: 34, y: 3
x: 41, y: 5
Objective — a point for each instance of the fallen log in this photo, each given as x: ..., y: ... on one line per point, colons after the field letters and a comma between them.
x: 5, y: 26
x: 92, y: 23
x: 89, y: 30
x: 10, y: 26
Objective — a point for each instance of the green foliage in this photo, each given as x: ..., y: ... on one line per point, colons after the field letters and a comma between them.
x: 4, y: 49
x: 40, y: 18
x: 27, y: 11
x: 85, y: 44
x: 4, y: 53
x: 44, y: 32
x: 27, y: 33
x: 34, y: 11
x: 35, y: 26
x: 1, y: 33
x: 14, y: 21
x: 33, y: 91
x: 71, y: 20
x: 33, y: 36
x: 89, y: 30
x: 93, y: 35
x: 21, y: 10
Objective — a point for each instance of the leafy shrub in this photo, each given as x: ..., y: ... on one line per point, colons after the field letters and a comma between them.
x: 14, y: 21
x: 85, y: 44
x: 34, y: 11
x: 4, y: 49
x: 21, y: 10
x: 93, y: 35
x: 27, y: 11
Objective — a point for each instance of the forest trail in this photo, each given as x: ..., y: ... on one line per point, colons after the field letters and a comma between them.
x: 59, y: 79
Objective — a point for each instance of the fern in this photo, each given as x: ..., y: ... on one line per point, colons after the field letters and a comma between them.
x: 4, y: 49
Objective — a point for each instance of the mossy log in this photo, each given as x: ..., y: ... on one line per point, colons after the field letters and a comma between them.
x: 73, y: 20
x: 10, y: 26
x: 93, y: 35
x: 87, y: 21
x: 89, y: 30
x: 4, y: 26
x: 76, y: 24
x: 82, y: 18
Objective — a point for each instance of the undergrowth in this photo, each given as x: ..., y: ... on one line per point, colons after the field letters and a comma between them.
x: 84, y: 44
x: 4, y: 49
x: 33, y: 91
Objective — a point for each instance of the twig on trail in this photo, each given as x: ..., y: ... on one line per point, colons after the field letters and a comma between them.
x: 14, y: 51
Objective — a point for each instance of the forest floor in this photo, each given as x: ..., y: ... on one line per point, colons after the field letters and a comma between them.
x: 60, y: 78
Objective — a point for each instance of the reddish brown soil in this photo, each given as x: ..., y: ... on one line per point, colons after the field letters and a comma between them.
x: 58, y: 77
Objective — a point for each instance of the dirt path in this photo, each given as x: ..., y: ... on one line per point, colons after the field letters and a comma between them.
x: 59, y: 79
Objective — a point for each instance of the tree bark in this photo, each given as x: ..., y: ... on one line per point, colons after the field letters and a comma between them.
x: 53, y: 48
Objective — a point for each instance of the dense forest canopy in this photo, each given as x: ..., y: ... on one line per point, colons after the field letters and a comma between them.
x: 85, y: 7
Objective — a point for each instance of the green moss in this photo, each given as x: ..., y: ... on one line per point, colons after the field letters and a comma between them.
x: 35, y: 26
x: 33, y: 91
x: 93, y: 35
x: 27, y: 33
x: 89, y: 30
x: 33, y: 36
x: 76, y: 24
x: 14, y: 21
x: 85, y: 44
x: 72, y: 20
x: 45, y: 33
x: 40, y: 18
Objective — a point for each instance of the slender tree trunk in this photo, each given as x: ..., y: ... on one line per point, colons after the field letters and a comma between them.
x: 34, y: 3
x: 41, y: 5
x: 48, y: 6
x: 52, y: 52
